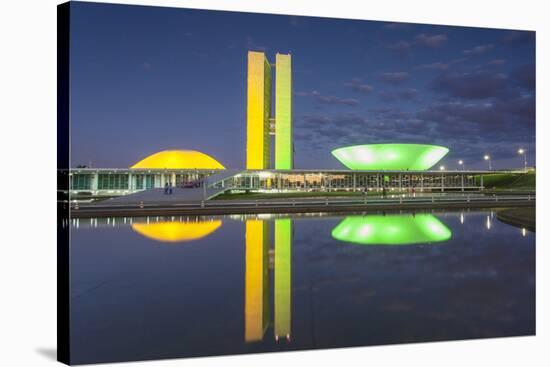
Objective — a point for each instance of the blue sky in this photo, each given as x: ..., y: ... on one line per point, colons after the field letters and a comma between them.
x: 145, y: 79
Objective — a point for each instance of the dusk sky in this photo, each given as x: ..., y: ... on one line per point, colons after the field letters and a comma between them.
x: 146, y: 79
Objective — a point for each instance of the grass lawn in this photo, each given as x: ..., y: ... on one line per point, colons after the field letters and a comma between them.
x: 290, y: 195
x: 510, y: 181
x: 519, y: 217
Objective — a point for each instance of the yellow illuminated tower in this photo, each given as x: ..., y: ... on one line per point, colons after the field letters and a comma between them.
x: 258, y: 111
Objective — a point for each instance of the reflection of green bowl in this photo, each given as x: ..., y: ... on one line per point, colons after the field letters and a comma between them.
x: 414, y: 157
x: 391, y: 229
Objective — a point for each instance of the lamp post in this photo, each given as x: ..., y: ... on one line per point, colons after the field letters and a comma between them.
x: 522, y: 152
x: 461, y: 163
x: 442, y: 168
x: 487, y: 157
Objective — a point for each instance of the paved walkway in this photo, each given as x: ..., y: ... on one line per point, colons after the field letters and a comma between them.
x: 179, y: 195
x: 110, y: 208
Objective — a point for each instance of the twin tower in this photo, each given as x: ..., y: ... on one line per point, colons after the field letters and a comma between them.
x: 260, y: 122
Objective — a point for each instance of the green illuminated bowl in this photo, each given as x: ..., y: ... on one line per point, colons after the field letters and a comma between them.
x: 414, y: 157
x: 393, y: 229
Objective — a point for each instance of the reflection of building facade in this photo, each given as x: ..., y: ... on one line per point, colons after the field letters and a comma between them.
x: 256, y: 280
x: 257, y: 285
x: 177, y: 232
x: 392, y: 229
x: 283, y: 278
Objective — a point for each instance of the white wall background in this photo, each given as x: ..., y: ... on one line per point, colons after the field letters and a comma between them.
x: 28, y: 163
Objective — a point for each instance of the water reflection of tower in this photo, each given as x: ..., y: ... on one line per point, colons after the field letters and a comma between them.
x: 257, y: 284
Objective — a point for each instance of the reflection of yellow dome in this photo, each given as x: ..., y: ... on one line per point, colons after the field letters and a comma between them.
x: 179, y: 159
x: 176, y: 231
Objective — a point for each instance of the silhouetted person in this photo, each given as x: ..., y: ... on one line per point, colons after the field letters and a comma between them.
x: 166, y: 188
x: 384, y: 191
x: 170, y: 188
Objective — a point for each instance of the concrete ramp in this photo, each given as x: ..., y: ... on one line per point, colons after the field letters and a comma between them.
x: 222, y: 176
x: 157, y: 195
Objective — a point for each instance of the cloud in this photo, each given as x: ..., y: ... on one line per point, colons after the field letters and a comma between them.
x: 439, y: 65
x: 478, y: 85
x: 403, y: 48
x: 525, y: 76
x: 457, y: 115
x: 478, y: 50
x: 483, y: 117
x: 396, y: 77
x: 357, y: 86
x: 435, y: 66
x: 146, y: 65
x: 328, y: 100
x: 491, y: 126
x: 497, y: 62
x: 432, y: 41
x: 334, y: 100
x: 515, y: 37
x: 396, y: 26
x: 409, y: 94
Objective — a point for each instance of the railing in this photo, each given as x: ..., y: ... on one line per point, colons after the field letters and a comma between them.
x: 326, y: 201
x: 370, y: 201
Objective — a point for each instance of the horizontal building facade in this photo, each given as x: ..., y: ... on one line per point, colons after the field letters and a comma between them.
x: 116, y: 182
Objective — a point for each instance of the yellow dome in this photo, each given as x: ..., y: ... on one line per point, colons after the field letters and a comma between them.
x: 179, y: 159
x: 176, y: 231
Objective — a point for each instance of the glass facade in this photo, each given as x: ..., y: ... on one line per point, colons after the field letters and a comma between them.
x: 112, y: 182
x: 145, y: 181
x: 358, y: 181
x: 80, y: 181
x: 101, y: 182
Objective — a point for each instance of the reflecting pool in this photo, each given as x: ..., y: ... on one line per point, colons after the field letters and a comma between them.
x: 168, y: 287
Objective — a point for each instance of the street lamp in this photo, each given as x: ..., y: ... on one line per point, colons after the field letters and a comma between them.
x: 442, y: 168
x: 461, y: 163
x: 522, y: 152
x: 488, y: 158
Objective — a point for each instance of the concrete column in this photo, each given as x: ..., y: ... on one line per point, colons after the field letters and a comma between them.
x: 481, y: 183
x: 442, y: 181
x: 95, y: 181
x: 354, y: 181
x: 400, y: 183
x: 462, y: 181
x: 130, y: 178
x: 421, y: 182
